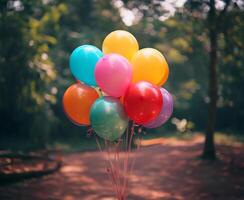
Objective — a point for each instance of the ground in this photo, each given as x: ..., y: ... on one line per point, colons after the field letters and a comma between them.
x: 166, y: 169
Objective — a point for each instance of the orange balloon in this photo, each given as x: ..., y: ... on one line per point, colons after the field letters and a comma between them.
x: 120, y: 42
x: 149, y: 64
x: 77, y: 102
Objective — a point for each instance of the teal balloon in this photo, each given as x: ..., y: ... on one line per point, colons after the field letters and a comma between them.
x: 108, y: 118
x: 83, y: 61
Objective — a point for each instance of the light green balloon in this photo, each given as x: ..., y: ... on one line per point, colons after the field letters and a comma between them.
x: 108, y: 118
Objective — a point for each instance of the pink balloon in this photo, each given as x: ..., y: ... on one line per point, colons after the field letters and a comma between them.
x: 113, y: 74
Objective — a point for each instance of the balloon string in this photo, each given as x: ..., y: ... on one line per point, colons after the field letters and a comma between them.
x: 111, y: 169
x: 129, y: 151
x: 98, y: 144
x: 117, y: 152
x: 138, y: 146
x: 89, y: 132
x: 114, y: 173
x: 129, y: 136
x: 108, y: 168
x: 116, y: 169
x: 119, y: 179
x: 125, y: 159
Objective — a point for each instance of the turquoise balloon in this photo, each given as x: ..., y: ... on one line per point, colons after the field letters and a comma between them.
x: 108, y: 118
x: 83, y: 61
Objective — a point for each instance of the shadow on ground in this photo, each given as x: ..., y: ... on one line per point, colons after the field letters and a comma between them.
x: 167, y: 171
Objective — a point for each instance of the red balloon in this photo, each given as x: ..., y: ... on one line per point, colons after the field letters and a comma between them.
x: 143, y: 102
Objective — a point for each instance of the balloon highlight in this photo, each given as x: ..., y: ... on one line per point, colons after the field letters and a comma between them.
x: 77, y: 102
x: 143, y: 102
x: 120, y: 42
x: 108, y: 118
x: 166, y: 112
x: 82, y: 63
x: 113, y: 74
x: 149, y: 65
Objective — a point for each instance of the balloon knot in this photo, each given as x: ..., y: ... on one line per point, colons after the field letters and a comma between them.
x: 89, y: 132
x: 140, y: 129
x: 108, y: 170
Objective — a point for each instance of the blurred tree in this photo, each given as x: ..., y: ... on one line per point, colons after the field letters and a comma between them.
x: 213, y: 14
x: 202, y: 24
x: 87, y: 22
x: 37, y: 37
x: 231, y: 79
x: 26, y: 74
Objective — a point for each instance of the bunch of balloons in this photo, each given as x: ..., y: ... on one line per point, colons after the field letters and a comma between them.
x: 116, y: 84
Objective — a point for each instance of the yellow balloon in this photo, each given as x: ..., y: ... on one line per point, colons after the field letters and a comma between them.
x: 120, y: 42
x: 149, y: 64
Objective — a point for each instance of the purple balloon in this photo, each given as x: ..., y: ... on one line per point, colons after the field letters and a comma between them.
x: 166, y: 111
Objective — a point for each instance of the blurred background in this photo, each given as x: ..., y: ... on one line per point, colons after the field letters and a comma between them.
x: 203, y: 42
x: 37, y: 38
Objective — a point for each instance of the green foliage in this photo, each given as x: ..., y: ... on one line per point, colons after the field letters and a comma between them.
x: 232, y: 72
x: 37, y: 37
x: 27, y: 34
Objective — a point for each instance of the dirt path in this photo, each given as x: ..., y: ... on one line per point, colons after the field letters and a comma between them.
x: 167, y: 171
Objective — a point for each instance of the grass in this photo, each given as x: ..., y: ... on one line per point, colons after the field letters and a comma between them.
x: 167, y: 134
x: 82, y: 144
x: 221, y: 138
x: 228, y: 139
x: 89, y: 144
x: 70, y: 144
x: 75, y: 144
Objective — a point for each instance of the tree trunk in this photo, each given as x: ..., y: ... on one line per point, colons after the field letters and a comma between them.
x: 209, y: 146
